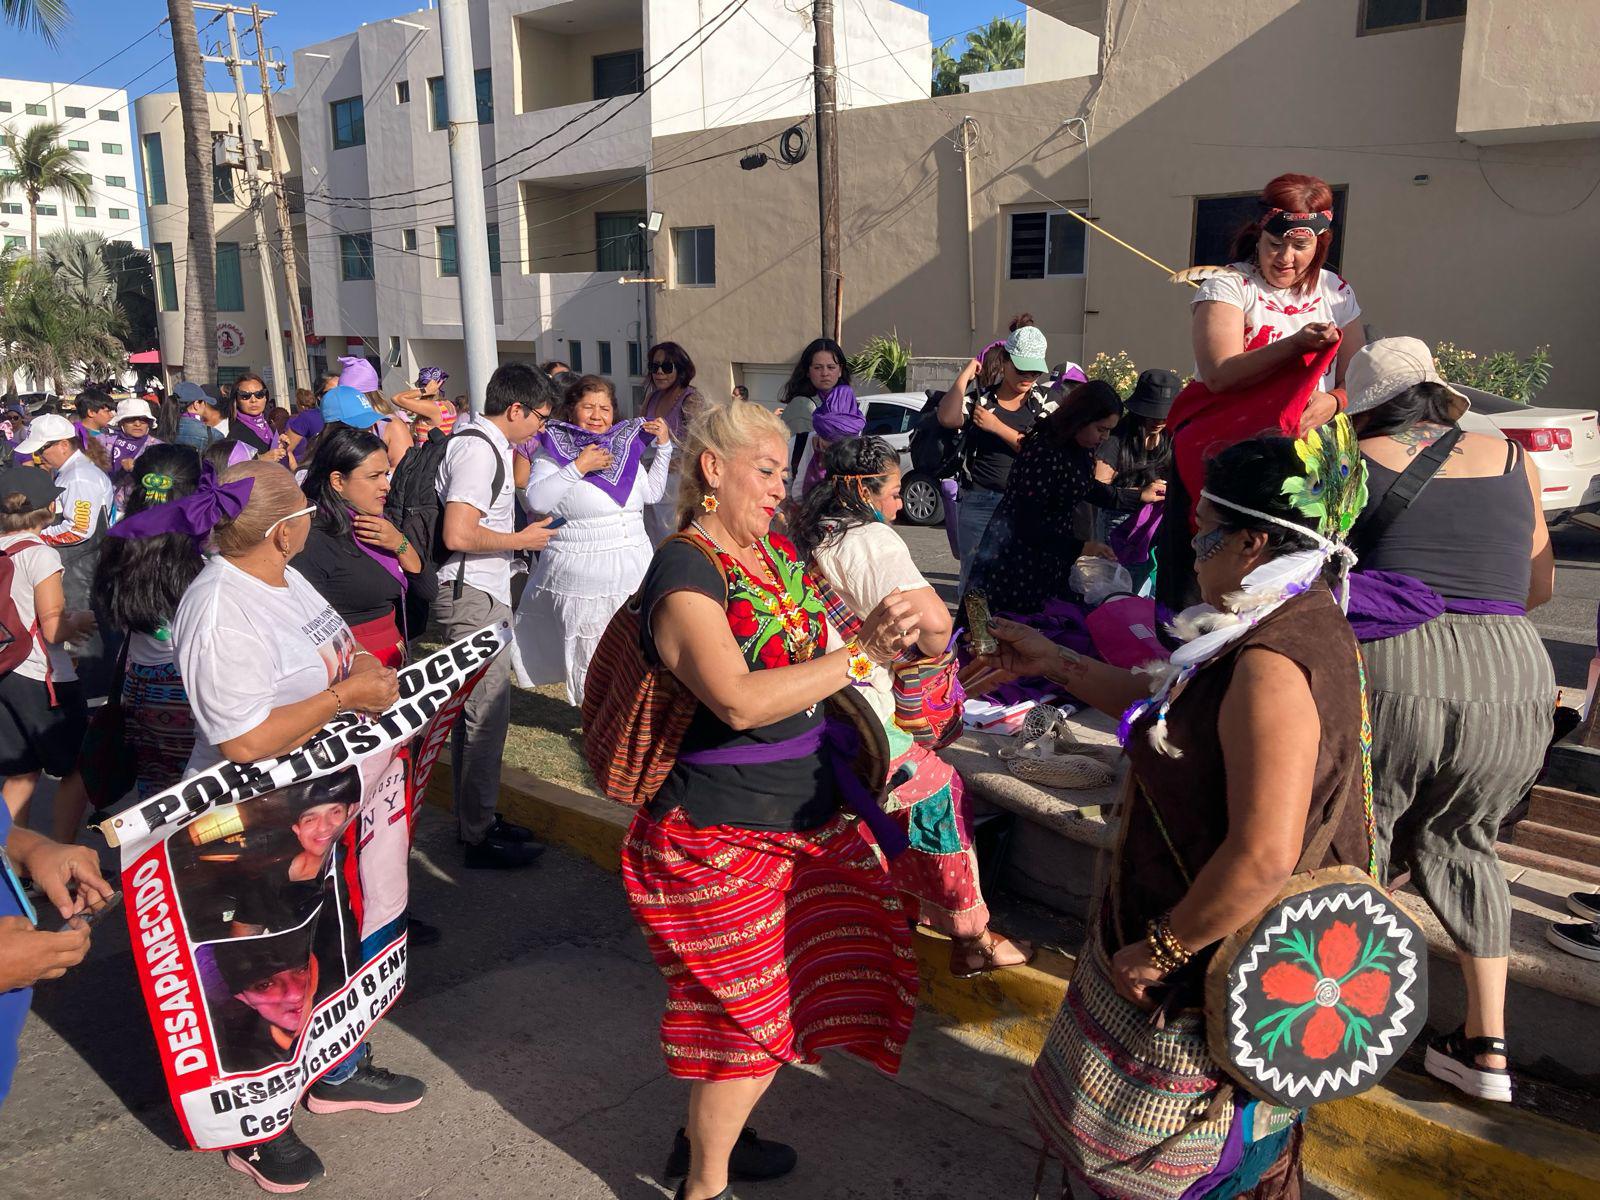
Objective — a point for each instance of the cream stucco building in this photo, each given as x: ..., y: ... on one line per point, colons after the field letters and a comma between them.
x: 1463, y: 139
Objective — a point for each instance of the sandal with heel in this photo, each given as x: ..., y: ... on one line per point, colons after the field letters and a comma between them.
x: 972, y: 957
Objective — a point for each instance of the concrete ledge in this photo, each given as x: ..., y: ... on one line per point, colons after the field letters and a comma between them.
x: 1407, y: 1140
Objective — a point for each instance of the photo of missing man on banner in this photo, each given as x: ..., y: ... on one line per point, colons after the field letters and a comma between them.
x: 260, y: 992
x: 263, y: 865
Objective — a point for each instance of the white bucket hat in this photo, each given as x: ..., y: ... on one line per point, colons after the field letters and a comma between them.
x: 1387, y: 367
x: 133, y: 409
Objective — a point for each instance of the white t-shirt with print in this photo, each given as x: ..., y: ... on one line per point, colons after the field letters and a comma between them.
x: 467, y: 476
x: 1271, y: 314
x: 30, y: 567
x: 866, y: 564
x: 245, y: 647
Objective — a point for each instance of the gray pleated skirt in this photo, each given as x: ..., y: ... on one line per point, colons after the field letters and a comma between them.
x: 1461, y: 719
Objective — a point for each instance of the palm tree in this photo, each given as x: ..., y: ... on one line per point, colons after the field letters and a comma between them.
x: 47, y: 17
x: 998, y: 46
x: 946, y: 72
x: 61, y: 317
x: 200, y: 269
x: 40, y: 164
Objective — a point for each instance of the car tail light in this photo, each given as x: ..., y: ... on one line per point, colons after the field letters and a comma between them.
x: 1541, y: 439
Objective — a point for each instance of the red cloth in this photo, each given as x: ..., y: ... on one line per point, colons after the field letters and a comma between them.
x: 774, y: 945
x: 381, y: 638
x: 1204, y: 422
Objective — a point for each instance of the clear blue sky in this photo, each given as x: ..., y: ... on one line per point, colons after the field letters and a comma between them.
x: 102, y: 28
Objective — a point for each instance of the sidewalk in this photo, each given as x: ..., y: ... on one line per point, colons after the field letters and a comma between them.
x: 534, y: 1023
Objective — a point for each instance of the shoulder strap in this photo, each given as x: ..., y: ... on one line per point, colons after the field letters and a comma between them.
x: 711, y: 555
x: 499, y: 462
x: 1402, y: 492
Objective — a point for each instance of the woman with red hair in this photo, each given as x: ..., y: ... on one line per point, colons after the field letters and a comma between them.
x: 1278, y: 302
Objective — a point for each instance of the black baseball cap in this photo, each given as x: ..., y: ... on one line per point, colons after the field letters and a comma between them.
x: 33, y: 482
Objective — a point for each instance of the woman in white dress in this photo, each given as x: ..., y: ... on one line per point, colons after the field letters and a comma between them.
x: 589, y: 477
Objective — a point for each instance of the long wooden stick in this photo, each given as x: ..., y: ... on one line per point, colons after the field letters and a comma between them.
x: 1105, y: 233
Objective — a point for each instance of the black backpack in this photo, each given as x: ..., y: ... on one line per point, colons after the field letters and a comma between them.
x: 417, y: 512
x: 935, y: 450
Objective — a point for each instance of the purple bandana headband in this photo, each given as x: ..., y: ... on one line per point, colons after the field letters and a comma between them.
x: 428, y: 374
x: 196, y: 515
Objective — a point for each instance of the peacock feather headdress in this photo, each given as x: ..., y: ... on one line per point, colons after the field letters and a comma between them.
x: 1333, y: 490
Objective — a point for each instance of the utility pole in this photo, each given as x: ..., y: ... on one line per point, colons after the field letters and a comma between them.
x: 291, y: 269
x: 466, y: 178
x: 269, y: 287
x: 827, y: 115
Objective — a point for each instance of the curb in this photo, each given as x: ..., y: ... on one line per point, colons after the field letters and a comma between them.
x: 1405, y: 1140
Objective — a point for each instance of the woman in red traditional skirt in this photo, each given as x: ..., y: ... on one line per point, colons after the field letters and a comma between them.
x: 768, y: 913
x: 354, y: 556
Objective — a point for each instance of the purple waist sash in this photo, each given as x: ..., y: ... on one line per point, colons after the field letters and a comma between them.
x: 840, y: 742
x: 1386, y: 604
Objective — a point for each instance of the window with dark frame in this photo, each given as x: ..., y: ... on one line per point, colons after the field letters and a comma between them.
x: 439, y: 104
x: 604, y: 366
x: 402, y: 92
x: 355, y: 256
x: 575, y: 355
x: 109, y: 114
x: 694, y: 254
x: 408, y: 239
x: 444, y: 237
x: 635, y: 360
x: 117, y: 181
x: 349, y: 123
x: 166, y: 277
x: 1217, y: 219
x: 619, y: 242
x: 110, y: 147
x: 155, y: 170
x: 1045, y: 244
x: 83, y: 210
x: 620, y: 74
x: 75, y: 144
x: 75, y: 112
x: 230, y: 278
x: 222, y: 185
x: 1386, y: 16
x: 33, y: 110
x: 117, y: 214
x: 494, y: 249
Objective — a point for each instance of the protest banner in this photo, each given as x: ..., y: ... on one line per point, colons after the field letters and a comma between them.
x: 266, y: 902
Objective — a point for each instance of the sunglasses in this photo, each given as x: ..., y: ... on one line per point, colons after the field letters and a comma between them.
x: 249, y: 395
x: 663, y: 368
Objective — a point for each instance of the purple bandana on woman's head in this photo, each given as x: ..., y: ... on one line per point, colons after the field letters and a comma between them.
x: 359, y: 374
x: 428, y: 374
x: 626, y: 442
x: 196, y: 515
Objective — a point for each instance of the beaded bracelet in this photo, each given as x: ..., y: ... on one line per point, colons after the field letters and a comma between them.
x: 1167, y: 952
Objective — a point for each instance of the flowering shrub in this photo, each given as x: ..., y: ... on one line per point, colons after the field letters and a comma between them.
x: 1504, y: 373
x: 1118, y: 370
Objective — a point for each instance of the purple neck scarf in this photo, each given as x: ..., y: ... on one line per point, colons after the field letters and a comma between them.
x: 260, y: 426
x: 386, y: 559
x: 196, y: 515
x: 625, y: 442
x: 838, y: 414
x: 122, y: 446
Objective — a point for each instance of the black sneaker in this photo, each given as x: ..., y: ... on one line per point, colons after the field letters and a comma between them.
x: 370, y: 1089
x: 1585, y: 905
x: 683, y: 1190
x: 1582, y: 939
x: 421, y: 933
x: 500, y: 856
x: 752, y: 1159
x: 283, y: 1165
x: 508, y: 831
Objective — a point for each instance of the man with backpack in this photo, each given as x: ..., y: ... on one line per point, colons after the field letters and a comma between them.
x: 476, y: 541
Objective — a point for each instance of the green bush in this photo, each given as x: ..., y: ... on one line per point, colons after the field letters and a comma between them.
x: 1118, y: 370
x: 1504, y: 373
x: 885, y: 360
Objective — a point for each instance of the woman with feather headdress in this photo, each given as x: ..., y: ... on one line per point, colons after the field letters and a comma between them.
x: 1247, y: 756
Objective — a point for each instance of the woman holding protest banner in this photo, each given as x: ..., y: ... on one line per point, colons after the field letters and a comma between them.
x: 267, y: 663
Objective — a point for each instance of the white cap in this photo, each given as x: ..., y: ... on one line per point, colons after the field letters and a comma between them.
x: 130, y: 409
x: 1389, y: 366
x: 45, y: 430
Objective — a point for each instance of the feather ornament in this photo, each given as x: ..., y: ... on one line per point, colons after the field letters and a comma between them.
x: 1198, y: 275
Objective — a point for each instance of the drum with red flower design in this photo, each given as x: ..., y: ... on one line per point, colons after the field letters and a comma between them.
x: 1320, y: 997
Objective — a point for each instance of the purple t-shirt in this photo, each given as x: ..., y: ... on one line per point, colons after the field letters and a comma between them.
x: 307, y: 424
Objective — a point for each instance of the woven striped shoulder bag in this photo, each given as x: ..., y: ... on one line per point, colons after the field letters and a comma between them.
x: 635, y: 712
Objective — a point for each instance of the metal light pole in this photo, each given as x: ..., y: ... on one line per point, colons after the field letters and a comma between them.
x: 466, y: 178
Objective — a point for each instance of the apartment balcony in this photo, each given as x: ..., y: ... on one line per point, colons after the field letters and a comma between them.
x: 578, y: 52
x: 1528, y: 71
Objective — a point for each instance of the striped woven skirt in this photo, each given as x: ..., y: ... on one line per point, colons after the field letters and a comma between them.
x: 774, y: 945
x: 159, y: 725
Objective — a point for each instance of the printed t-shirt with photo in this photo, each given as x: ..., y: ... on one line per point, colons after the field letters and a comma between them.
x: 245, y: 647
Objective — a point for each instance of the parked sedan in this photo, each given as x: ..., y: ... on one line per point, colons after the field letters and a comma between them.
x: 1564, y: 443
x: 892, y: 416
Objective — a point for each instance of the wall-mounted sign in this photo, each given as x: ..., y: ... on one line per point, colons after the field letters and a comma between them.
x: 230, y: 339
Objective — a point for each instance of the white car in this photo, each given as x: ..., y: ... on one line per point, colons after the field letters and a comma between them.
x: 892, y: 416
x: 1564, y: 443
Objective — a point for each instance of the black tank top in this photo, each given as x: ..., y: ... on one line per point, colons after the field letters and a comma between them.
x: 1467, y: 539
